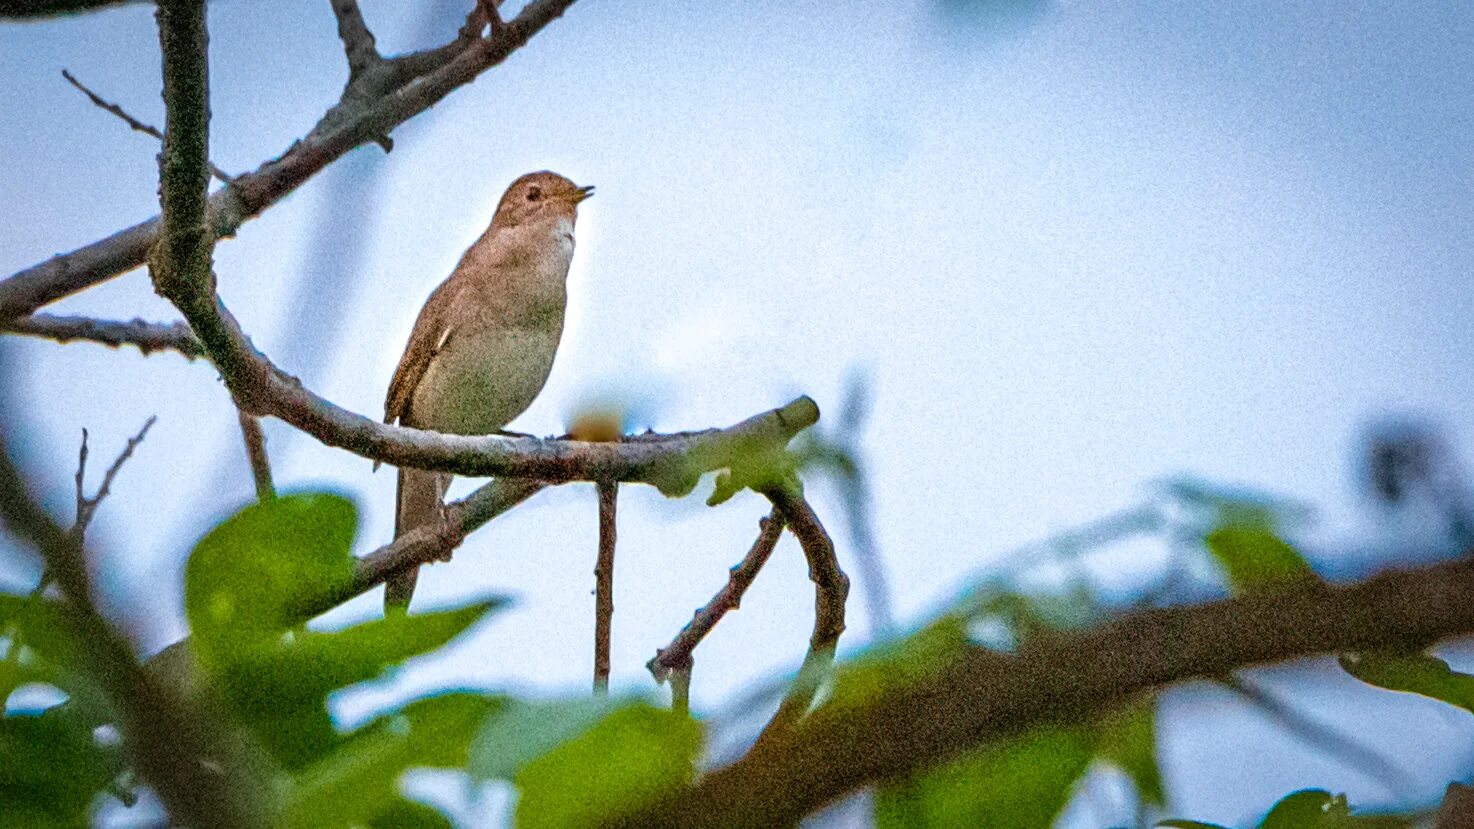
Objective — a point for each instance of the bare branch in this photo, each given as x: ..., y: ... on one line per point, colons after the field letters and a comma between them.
x: 831, y: 588
x: 256, y: 453
x: 134, y: 123
x: 397, y: 90
x: 1457, y: 809
x: 675, y: 658
x: 358, y: 41
x: 148, y: 337
x: 87, y: 507
x: 604, y: 586
x: 983, y: 696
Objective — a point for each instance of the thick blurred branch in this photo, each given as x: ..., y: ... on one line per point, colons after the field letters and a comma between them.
x: 148, y: 337
x: 202, y: 778
x: 983, y: 696
x: 372, y: 106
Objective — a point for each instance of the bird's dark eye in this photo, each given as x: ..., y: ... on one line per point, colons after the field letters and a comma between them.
x: 534, y: 194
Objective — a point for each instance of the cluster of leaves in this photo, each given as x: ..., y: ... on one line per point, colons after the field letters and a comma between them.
x: 250, y: 658
x: 577, y: 761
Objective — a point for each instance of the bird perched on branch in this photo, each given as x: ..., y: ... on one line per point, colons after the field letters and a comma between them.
x: 484, y: 343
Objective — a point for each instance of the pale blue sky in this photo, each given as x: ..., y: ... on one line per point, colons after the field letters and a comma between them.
x: 1076, y: 253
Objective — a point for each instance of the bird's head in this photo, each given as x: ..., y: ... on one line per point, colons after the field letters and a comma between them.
x: 539, y: 196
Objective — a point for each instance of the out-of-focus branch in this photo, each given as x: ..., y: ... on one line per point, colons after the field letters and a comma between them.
x: 148, y: 337
x: 372, y: 106
x: 255, y: 441
x: 201, y: 776
x: 1457, y: 810
x: 983, y: 696
x: 831, y: 588
x: 1332, y: 742
x: 604, y: 586
x: 135, y: 124
x: 358, y: 41
x: 676, y: 657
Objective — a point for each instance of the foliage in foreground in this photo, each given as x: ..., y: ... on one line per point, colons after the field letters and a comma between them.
x: 573, y: 762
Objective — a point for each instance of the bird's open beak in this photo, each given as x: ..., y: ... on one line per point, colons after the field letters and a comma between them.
x: 582, y: 193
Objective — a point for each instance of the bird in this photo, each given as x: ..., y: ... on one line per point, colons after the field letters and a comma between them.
x: 483, y: 344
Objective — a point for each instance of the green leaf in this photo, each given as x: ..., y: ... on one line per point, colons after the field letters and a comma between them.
x: 357, y: 782
x: 1128, y: 739
x: 633, y: 755
x: 1415, y: 674
x: 280, y: 691
x: 579, y: 761
x: 901, y: 662
x: 409, y: 814
x: 1254, y: 558
x: 246, y: 580
x: 51, y: 767
x: 1306, y: 809
x: 1019, y: 784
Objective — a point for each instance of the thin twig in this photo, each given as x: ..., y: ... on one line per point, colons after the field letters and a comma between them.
x: 87, y: 507
x: 1334, y: 743
x: 831, y: 587
x: 256, y: 453
x: 358, y: 41
x: 147, y: 337
x: 604, y: 586
x: 137, y: 125
x: 676, y: 657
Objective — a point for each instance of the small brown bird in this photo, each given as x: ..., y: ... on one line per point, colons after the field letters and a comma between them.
x: 484, y: 343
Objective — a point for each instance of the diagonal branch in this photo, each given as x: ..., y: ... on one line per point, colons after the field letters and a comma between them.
x: 380, y: 100
x: 676, y: 657
x: 148, y: 337
x: 981, y: 696
x: 358, y: 41
x: 135, y: 124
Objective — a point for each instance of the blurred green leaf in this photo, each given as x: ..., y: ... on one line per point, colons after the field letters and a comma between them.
x: 48, y: 655
x: 576, y: 761
x: 901, y: 662
x: 1254, y: 558
x: 280, y: 691
x: 524, y: 731
x: 1306, y: 809
x: 51, y: 768
x: 632, y: 755
x: 1128, y: 739
x: 408, y: 814
x: 246, y: 580
x: 1022, y: 783
x: 1415, y: 674
x: 358, y: 781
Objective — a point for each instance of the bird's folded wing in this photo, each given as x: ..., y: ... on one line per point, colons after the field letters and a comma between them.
x: 431, y: 332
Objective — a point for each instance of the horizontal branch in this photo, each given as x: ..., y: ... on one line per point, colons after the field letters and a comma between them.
x: 984, y: 696
x: 148, y: 337
x: 379, y: 100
